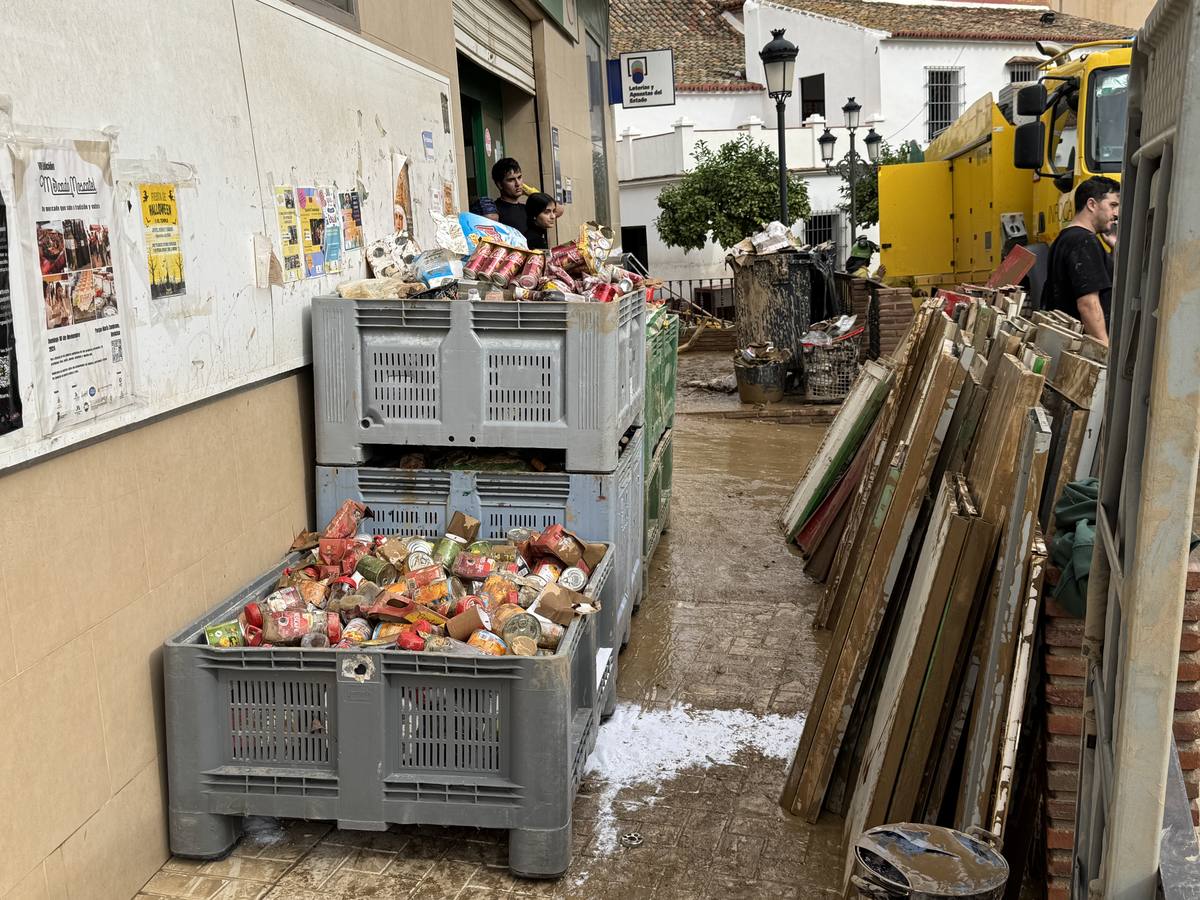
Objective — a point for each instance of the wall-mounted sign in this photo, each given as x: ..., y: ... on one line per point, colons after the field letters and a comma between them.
x: 647, y: 78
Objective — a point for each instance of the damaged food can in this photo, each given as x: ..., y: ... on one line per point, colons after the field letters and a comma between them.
x: 603, y: 292
x: 523, y: 646
x: 518, y: 535
x: 551, y: 634
x: 483, y: 548
x: 418, y: 578
x: 377, y: 570
x: 418, y: 560
x: 531, y: 272
x: 356, y: 631
x: 548, y: 572
x: 447, y: 549
x: 224, y: 634
x: 573, y: 579
x: 420, y: 545
x: 568, y: 257
x: 521, y: 625
x: 507, y: 271
x: 473, y: 566
x: 488, y: 642
x: 478, y: 260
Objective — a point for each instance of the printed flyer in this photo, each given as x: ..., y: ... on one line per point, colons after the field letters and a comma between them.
x: 310, y: 204
x: 67, y: 191
x: 352, y: 234
x: 10, y: 391
x: 402, y: 201
x: 289, y: 233
x: 333, y: 231
x: 164, y: 243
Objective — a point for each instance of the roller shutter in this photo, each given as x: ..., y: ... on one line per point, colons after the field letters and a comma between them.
x: 494, y: 34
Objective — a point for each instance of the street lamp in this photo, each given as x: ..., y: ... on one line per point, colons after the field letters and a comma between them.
x: 873, y: 140
x: 779, y: 64
x: 827, y: 140
x: 851, y: 111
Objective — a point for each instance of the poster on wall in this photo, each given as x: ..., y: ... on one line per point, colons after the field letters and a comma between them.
x: 310, y: 206
x: 289, y: 232
x: 164, y: 243
x: 352, y: 236
x: 67, y: 237
x: 448, y: 198
x: 558, y: 182
x: 333, y: 231
x: 402, y: 200
x: 10, y: 393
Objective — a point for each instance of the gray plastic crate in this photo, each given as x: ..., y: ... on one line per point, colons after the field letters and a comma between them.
x: 369, y: 737
x: 596, y: 507
x: 550, y: 376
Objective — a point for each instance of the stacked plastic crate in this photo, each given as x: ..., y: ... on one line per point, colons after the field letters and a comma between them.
x: 546, y: 376
x: 662, y: 347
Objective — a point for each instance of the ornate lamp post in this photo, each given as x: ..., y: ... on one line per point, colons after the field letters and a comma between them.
x: 779, y: 64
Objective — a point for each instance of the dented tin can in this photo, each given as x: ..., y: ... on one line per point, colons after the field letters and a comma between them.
x: 447, y: 549
x: 377, y: 570
x: 420, y: 545
x: 507, y: 271
x: 573, y: 578
x: 478, y: 260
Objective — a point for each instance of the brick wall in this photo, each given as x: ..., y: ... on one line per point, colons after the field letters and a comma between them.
x: 1063, y: 689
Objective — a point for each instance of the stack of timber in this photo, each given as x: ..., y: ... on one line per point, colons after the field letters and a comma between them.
x: 925, y: 513
x: 895, y: 311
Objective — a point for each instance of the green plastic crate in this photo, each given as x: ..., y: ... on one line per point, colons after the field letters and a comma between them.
x: 658, y: 494
x: 662, y: 345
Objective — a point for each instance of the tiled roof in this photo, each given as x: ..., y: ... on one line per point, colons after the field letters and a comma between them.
x: 709, y: 53
x: 970, y: 23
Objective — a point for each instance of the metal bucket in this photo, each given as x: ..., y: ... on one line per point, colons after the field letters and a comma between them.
x: 927, y: 862
x: 763, y: 383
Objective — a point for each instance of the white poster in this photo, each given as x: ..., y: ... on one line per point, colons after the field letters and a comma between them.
x: 648, y: 78
x: 67, y: 236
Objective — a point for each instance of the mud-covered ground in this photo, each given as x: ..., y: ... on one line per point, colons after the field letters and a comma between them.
x: 712, y: 689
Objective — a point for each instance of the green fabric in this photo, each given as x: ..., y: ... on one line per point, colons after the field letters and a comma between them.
x: 1074, y: 538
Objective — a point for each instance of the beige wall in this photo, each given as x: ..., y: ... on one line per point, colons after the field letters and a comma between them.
x: 1120, y: 12
x: 109, y: 549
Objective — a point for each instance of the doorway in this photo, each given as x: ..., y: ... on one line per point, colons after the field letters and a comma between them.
x: 482, y: 124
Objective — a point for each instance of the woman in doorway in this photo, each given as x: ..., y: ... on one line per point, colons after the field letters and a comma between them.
x: 542, y: 211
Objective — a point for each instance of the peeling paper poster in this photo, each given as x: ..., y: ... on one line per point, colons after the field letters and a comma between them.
x: 289, y: 233
x: 164, y: 243
x: 67, y: 193
x: 447, y: 198
x: 351, y: 206
x: 333, y: 231
x: 10, y: 393
x: 310, y: 205
x: 402, y: 200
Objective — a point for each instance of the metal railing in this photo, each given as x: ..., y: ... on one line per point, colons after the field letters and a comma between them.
x: 686, y: 296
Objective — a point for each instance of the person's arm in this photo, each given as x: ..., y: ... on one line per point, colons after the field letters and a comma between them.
x: 1092, y: 316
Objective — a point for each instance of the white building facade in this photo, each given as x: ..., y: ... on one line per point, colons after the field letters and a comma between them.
x: 911, y: 82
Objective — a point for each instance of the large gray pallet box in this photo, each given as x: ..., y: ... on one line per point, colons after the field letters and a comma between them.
x: 536, y: 375
x: 368, y: 737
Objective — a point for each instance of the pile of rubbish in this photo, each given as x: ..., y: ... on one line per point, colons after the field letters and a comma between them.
x: 480, y: 259
x: 453, y: 594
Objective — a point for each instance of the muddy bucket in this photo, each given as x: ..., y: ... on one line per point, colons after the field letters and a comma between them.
x: 761, y: 380
x: 925, y: 862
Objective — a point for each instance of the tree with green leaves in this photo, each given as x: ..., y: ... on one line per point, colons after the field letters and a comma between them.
x: 728, y: 195
x: 866, y: 193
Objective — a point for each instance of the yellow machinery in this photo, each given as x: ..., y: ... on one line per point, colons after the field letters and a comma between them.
x: 954, y: 217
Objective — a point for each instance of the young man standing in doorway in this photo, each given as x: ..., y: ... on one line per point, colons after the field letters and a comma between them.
x: 1080, y: 282
x: 506, y: 174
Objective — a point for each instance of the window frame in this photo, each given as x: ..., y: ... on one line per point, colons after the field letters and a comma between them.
x: 1022, y: 68
x: 823, y: 100
x: 331, y: 12
x: 959, y: 85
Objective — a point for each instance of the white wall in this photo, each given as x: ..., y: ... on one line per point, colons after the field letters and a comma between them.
x: 848, y: 56
x: 639, y: 206
x: 721, y: 109
x: 903, y: 78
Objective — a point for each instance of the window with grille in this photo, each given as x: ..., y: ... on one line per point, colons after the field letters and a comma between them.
x: 1018, y: 72
x: 824, y: 226
x: 944, y: 89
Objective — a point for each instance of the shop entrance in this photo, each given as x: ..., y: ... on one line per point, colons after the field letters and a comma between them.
x: 483, y: 126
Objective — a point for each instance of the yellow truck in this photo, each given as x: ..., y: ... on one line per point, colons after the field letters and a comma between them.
x: 1004, y: 174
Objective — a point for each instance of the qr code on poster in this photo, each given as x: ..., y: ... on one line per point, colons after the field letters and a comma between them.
x: 117, y: 353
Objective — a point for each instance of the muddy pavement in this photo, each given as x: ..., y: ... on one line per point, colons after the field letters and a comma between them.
x: 680, y: 800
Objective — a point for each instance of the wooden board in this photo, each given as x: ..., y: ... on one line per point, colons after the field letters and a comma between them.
x: 938, y: 686
x: 818, y: 565
x: 904, y: 489
x: 915, y: 634
x: 818, y: 524
x: 839, y: 445
x: 996, y: 643
x: 1068, y: 425
x: 1076, y: 379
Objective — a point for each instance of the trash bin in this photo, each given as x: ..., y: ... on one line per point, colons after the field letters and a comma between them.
x: 927, y: 861
x: 772, y: 298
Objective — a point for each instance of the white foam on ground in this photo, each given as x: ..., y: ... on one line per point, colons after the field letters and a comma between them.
x: 647, y: 747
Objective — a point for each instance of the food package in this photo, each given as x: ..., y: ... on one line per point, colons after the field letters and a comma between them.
x: 393, y: 256
x: 498, y: 589
x: 462, y: 626
x: 224, y: 634
x: 438, y: 267
x: 560, y: 605
x: 488, y: 642
x: 396, y: 287
x: 439, y: 644
x: 475, y: 227
x: 346, y: 520
x: 473, y: 566
x: 464, y: 526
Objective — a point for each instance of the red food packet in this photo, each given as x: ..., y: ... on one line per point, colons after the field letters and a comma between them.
x: 346, y: 520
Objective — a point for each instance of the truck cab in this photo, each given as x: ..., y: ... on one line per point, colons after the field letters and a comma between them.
x: 1003, y: 175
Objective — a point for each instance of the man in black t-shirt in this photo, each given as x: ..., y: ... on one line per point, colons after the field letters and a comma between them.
x: 1080, y: 278
x: 506, y: 174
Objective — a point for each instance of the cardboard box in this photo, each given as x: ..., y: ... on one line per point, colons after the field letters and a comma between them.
x: 466, y: 527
